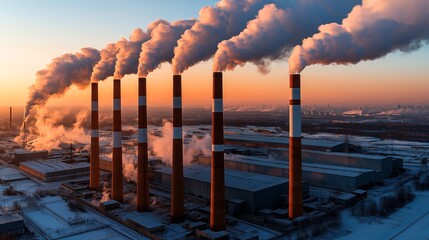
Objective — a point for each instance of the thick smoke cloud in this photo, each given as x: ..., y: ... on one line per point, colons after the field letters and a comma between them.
x: 63, y: 72
x: 275, y: 30
x: 370, y: 31
x: 106, y: 66
x: 228, y: 18
x: 128, y: 55
x: 48, y: 133
x: 160, y: 48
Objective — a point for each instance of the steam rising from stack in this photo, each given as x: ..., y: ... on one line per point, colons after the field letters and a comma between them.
x: 275, y: 30
x: 128, y: 55
x: 226, y: 19
x: 63, y: 72
x: 160, y: 48
x: 370, y: 31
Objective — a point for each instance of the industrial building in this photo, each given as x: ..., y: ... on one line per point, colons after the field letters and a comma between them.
x: 258, y: 191
x: 11, y: 225
x: 283, y: 142
x: 22, y: 155
x: 382, y: 164
x: 326, y: 176
x: 52, y: 170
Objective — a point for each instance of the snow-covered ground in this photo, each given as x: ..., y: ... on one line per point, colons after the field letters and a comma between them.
x: 409, y: 222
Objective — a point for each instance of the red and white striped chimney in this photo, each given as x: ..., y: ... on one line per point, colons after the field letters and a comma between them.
x: 217, y: 178
x: 295, y: 161
x: 142, y: 161
x: 177, y: 182
x: 94, y: 178
x: 117, y: 188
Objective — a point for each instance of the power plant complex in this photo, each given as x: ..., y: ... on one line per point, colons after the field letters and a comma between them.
x: 286, y: 172
x: 263, y: 184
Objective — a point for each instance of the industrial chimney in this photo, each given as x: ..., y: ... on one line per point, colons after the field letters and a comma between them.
x: 10, y: 118
x: 94, y: 178
x: 177, y: 182
x: 142, y: 162
x: 117, y: 192
x: 217, y: 178
x: 295, y: 161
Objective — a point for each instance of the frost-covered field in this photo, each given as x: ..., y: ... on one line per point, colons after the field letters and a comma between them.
x: 409, y: 222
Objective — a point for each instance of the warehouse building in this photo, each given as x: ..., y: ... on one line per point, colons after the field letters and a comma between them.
x: 52, y: 170
x: 22, y: 155
x: 258, y: 191
x: 283, y: 142
x: 326, y: 176
x: 383, y: 165
x: 11, y: 226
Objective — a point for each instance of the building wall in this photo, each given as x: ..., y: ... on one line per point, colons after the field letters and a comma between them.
x: 318, y: 179
x: 265, y: 198
x: 383, y: 166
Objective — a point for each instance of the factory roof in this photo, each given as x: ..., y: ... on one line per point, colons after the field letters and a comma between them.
x: 23, y: 151
x: 342, y: 154
x: 281, y: 140
x: 46, y: 166
x: 10, y: 174
x: 233, y: 179
x: 310, y: 167
x: 10, y: 218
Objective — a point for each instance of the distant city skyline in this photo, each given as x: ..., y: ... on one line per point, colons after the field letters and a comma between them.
x: 36, y: 32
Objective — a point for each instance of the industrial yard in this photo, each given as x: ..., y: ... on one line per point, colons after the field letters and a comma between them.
x: 338, y: 173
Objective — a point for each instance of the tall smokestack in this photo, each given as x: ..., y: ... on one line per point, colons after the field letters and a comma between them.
x: 10, y: 118
x: 94, y: 178
x: 177, y: 183
x: 117, y: 192
x: 217, y: 180
x: 295, y: 162
x: 142, y: 162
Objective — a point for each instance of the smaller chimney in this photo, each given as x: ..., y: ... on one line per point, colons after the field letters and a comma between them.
x: 10, y: 118
x: 117, y: 190
x: 94, y: 178
x: 295, y: 161
x: 142, y: 162
x: 217, y: 178
x: 177, y: 182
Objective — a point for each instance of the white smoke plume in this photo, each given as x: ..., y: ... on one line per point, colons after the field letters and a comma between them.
x: 162, y: 145
x: 227, y: 19
x: 127, y: 58
x: 106, y: 193
x: 63, y: 72
x: 48, y: 132
x: 160, y: 48
x: 275, y: 30
x: 370, y: 31
x: 106, y: 66
x: 129, y: 165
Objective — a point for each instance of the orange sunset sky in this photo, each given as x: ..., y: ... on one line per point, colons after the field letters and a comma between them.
x: 34, y: 33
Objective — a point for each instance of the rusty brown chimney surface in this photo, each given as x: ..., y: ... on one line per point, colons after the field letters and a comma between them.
x: 177, y: 182
x: 217, y: 178
x: 94, y: 178
x: 117, y: 189
x: 142, y: 161
x: 295, y: 161
x: 10, y: 118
